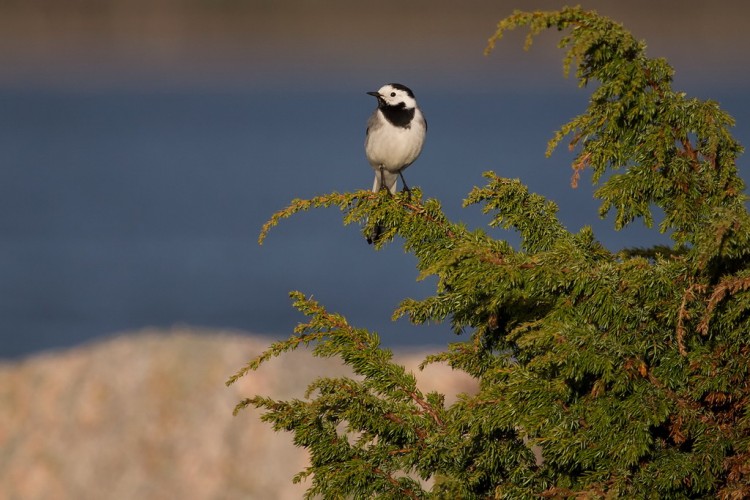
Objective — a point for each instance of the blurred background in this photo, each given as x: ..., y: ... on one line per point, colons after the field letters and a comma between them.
x: 143, y: 143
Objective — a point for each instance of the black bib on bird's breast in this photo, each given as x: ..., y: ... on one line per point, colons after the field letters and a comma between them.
x: 399, y: 115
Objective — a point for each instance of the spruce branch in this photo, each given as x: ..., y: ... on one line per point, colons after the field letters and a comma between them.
x: 683, y: 313
x: 343, y: 201
x: 728, y: 286
x: 358, y: 348
x: 677, y: 152
x: 398, y: 214
x: 532, y: 215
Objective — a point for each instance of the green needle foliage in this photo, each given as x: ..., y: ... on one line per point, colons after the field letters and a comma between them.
x: 601, y: 374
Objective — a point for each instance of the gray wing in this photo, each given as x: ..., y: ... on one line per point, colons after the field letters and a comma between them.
x: 424, y: 120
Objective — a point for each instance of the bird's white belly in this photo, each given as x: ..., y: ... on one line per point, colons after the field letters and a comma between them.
x: 394, y: 148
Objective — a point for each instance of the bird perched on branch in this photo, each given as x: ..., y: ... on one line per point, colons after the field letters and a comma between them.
x: 394, y: 139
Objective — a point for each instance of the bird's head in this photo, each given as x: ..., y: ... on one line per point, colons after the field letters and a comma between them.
x: 395, y: 94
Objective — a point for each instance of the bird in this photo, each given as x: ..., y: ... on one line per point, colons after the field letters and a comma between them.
x: 394, y: 138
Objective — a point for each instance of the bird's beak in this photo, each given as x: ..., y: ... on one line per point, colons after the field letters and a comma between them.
x: 374, y: 94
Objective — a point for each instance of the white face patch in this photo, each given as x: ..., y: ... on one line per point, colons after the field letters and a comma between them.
x: 393, y: 96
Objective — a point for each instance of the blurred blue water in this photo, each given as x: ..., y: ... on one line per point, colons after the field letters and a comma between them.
x: 121, y: 209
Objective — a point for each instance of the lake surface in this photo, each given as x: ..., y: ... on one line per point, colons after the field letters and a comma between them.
x: 122, y: 209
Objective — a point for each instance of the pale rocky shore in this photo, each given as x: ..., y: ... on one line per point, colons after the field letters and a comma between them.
x: 147, y: 416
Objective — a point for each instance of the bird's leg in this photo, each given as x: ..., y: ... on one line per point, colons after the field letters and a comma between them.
x: 382, y: 180
x: 406, y: 188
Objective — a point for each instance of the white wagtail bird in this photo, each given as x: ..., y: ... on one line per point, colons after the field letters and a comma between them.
x: 395, y: 134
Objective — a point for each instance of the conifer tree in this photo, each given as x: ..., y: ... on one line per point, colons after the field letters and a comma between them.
x: 601, y: 373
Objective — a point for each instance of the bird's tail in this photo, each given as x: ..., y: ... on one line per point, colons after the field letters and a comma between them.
x: 375, y: 234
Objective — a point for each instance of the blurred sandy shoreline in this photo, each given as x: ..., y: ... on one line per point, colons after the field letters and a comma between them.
x: 147, y: 415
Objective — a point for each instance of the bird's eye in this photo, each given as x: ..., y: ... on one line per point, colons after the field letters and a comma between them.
x: 393, y: 94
